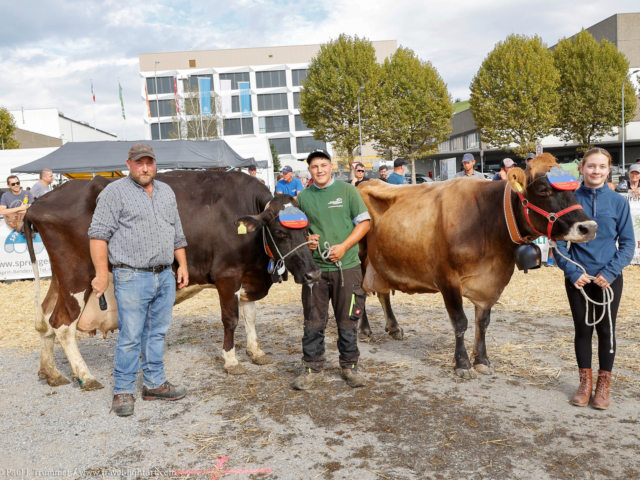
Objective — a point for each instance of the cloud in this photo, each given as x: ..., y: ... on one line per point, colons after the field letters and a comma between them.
x: 49, y: 50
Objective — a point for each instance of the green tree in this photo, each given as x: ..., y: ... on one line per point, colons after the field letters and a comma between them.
x: 274, y: 156
x: 414, y: 108
x: 7, y: 130
x: 591, y: 77
x: 514, y: 95
x: 191, y: 123
x: 329, y: 99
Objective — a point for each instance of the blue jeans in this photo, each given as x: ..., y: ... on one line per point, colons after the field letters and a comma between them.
x: 145, y: 303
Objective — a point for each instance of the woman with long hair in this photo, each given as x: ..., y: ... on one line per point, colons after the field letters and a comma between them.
x: 603, y: 262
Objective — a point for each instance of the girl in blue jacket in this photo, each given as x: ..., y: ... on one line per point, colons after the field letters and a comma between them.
x: 604, y: 262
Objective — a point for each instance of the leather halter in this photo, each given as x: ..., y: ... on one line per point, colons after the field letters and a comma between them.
x: 551, y: 217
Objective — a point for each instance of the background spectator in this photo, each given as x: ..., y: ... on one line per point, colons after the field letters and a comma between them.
x: 633, y: 184
x: 397, y: 177
x: 43, y: 185
x: 358, y: 175
x: 14, y: 203
x: 468, y: 161
x: 529, y: 157
x: 383, y: 173
x: 288, y: 184
x: 505, y: 166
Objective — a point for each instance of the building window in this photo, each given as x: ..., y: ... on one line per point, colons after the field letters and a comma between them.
x: 192, y: 64
x: 457, y: 143
x: 275, y: 101
x: 276, y: 78
x: 283, y: 145
x: 473, y: 140
x: 166, y: 129
x: 192, y: 84
x: 296, y: 99
x: 165, y: 85
x: 274, y: 124
x: 309, y: 144
x: 298, y: 76
x: 300, y: 125
x: 444, y: 146
x: 167, y: 108
x: 238, y: 126
x: 235, y: 103
x: 235, y: 78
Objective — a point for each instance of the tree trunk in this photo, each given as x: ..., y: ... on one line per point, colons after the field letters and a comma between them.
x: 413, y: 171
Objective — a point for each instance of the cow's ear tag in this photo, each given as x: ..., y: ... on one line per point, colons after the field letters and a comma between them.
x: 518, y: 186
x: 242, y: 229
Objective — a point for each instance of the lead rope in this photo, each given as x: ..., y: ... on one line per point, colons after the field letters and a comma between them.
x: 325, y: 258
x: 607, y: 297
x: 282, y: 257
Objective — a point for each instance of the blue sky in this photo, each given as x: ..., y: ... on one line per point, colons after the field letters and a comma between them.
x: 50, y: 49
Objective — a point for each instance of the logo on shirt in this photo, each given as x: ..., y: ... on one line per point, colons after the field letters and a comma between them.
x: 336, y: 203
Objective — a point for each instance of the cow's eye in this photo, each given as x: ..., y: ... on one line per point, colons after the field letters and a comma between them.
x: 543, y: 189
x: 281, y: 234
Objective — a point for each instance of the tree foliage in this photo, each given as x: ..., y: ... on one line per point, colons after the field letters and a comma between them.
x: 329, y: 99
x: 191, y: 124
x: 414, y: 108
x: 514, y: 95
x: 7, y: 130
x: 591, y: 77
x: 276, y: 160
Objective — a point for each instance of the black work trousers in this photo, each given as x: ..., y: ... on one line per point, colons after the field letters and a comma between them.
x: 584, y: 333
x: 348, y: 305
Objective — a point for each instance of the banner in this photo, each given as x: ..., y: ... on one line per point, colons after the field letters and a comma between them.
x: 447, y: 168
x: 205, y: 95
x: 245, y: 98
x: 225, y: 89
x: 634, y: 205
x: 14, y: 255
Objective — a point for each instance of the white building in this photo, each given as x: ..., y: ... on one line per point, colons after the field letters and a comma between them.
x: 275, y: 76
x: 53, y: 123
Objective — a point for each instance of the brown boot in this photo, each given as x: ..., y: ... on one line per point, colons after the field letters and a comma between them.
x: 601, y: 398
x: 583, y: 395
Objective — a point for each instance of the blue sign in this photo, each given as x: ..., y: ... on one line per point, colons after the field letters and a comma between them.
x: 205, y: 95
x: 245, y: 98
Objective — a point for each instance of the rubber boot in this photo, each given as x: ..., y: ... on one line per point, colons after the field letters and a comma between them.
x: 583, y: 395
x: 307, y: 379
x: 601, y: 398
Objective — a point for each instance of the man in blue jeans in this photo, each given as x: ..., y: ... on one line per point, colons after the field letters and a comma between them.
x: 136, y: 228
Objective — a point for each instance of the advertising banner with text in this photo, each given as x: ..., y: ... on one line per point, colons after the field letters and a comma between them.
x: 14, y: 256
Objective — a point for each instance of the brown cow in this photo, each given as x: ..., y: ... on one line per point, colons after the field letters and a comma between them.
x: 452, y: 237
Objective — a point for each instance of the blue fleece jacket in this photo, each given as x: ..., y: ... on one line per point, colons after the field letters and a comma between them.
x: 600, y: 256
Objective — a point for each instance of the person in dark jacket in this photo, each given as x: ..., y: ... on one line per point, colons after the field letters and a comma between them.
x: 603, y: 262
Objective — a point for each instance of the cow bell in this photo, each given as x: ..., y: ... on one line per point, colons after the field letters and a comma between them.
x: 528, y: 257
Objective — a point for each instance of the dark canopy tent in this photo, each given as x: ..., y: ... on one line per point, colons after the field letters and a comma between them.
x: 98, y: 157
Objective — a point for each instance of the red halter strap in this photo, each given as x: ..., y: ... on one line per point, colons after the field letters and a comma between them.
x: 551, y: 217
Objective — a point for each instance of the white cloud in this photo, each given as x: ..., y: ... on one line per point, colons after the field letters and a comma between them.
x: 50, y: 50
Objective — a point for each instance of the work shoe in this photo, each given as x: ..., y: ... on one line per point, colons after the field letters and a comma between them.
x: 583, y: 395
x: 353, y: 378
x: 123, y: 404
x: 601, y: 398
x: 307, y: 379
x: 166, y: 391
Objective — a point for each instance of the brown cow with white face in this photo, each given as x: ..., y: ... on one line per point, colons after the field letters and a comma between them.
x: 452, y: 237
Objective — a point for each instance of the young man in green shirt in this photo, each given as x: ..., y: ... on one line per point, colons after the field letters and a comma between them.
x: 338, y: 219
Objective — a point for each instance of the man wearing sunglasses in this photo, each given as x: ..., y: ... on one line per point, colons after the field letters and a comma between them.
x: 358, y: 175
x: 15, y: 203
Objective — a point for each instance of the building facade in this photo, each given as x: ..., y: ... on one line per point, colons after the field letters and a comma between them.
x: 620, y: 29
x: 274, y: 74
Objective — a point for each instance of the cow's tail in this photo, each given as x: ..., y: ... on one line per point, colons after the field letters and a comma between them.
x: 40, y: 323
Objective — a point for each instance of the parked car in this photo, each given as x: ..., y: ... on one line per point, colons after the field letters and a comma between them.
x: 420, y: 178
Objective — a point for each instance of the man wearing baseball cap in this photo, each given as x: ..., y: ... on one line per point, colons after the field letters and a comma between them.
x: 397, y: 177
x: 505, y: 166
x: 136, y: 228
x: 468, y: 161
x: 288, y: 184
x: 528, y: 158
x: 338, y: 219
x: 633, y: 184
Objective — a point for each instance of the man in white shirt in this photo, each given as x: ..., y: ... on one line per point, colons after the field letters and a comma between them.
x: 44, y: 184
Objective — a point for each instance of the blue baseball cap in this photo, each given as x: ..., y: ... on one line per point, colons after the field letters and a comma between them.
x: 287, y: 169
x: 467, y: 157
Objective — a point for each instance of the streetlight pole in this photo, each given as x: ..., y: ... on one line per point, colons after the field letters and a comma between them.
x: 155, y: 77
x: 359, y: 124
x: 623, y: 129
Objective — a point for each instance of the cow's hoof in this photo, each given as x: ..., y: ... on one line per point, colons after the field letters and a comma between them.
x: 57, y: 381
x: 397, y: 335
x: 42, y: 375
x: 91, y: 385
x: 465, y: 373
x: 236, y: 369
x: 483, y: 369
x: 261, y: 360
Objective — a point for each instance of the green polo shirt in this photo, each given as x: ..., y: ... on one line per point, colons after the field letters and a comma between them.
x: 331, y: 212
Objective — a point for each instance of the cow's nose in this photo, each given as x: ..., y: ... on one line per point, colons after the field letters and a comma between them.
x: 312, y: 277
x: 588, y: 230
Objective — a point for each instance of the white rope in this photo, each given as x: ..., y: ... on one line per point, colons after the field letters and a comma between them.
x: 325, y: 258
x: 607, y: 297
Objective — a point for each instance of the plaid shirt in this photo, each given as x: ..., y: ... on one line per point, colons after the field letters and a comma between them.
x: 141, y: 231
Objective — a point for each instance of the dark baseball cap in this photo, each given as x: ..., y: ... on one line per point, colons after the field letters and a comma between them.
x: 398, y: 162
x: 318, y: 153
x: 140, y: 150
x: 287, y: 169
x: 253, y: 167
x: 467, y: 157
x: 530, y: 156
